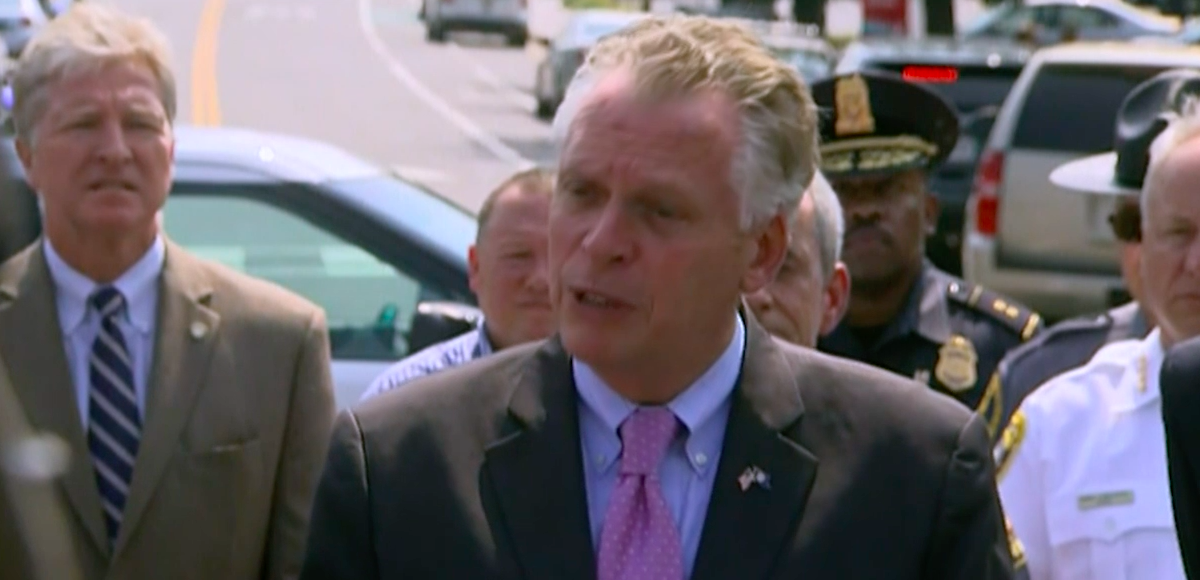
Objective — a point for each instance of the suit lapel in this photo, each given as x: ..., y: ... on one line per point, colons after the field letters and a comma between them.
x: 745, y: 529
x: 185, y: 333
x: 536, y: 472
x: 32, y: 340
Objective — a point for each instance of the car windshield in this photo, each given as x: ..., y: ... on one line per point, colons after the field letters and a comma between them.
x: 444, y: 225
x: 589, y: 30
x: 811, y: 65
x: 989, y: 19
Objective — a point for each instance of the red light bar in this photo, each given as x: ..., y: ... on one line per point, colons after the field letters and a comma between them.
x: 930, y: 74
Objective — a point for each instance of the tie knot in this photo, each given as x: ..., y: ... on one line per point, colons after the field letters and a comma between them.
x: 645, y: 437
x: 108, y: 301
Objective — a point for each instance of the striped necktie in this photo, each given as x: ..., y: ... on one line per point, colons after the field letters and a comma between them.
x: 114, y: 425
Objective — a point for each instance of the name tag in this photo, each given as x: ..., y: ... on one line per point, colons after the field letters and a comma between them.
x: 1103, y: 500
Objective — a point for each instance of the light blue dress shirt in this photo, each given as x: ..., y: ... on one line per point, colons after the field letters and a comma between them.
x: 690, y: 467
x: 80, y: 323
x: 456, y: 351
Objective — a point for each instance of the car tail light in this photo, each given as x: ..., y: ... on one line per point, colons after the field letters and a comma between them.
x: 929, y: 74
x: 985, y: 192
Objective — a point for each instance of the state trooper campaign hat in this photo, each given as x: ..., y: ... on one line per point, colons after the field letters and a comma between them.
x: 877, y: 123
x: 1143, y: 116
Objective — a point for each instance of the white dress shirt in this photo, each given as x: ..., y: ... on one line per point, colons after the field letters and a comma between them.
x: 1084, y: 471
x: 81, y: 323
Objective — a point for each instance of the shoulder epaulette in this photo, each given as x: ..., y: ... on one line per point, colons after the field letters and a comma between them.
x: 1069, y: 329
x: 1022, y: 320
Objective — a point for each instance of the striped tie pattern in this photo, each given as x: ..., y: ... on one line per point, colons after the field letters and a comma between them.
x: 114, y: 426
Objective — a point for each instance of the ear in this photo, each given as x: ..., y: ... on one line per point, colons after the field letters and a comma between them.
x: 473, y: 269
x: 932, y: 212
x: 765, y: 253
x: 25, y: 153
x: 836, y: 298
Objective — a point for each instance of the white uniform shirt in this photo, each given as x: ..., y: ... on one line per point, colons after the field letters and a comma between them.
x: 1083, y: 471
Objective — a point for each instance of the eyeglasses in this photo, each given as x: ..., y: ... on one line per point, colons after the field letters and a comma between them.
x: 1126, y: 222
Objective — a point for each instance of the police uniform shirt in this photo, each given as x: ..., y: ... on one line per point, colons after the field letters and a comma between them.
x: 950, y: 334
x: 1083, y: 475
x: 1062, y: 347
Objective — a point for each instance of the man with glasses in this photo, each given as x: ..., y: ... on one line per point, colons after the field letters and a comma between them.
x: 1070, y: 343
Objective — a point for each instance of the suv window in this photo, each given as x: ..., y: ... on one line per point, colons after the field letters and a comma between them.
x: 1085, y: 18
x: 973, y: 87
x: 366, y: 300
x: 1045, y: 123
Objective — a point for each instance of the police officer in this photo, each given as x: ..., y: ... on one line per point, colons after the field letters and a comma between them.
x: 1082, y: 465
x: 881, y: 138
x: 1071, y: 343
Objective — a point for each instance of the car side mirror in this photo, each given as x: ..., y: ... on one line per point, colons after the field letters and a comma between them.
x: 434, y: 322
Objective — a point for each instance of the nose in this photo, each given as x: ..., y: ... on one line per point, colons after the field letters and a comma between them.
x: 610, y: 237
x: 114, y: 145
x: 538, y: 280
x: 1192, y: 260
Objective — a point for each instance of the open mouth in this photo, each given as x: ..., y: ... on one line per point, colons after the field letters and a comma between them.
x: 594, y: 299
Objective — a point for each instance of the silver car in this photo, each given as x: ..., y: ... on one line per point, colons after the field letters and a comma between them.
x: 1048, y: 22
x: 566, y: 53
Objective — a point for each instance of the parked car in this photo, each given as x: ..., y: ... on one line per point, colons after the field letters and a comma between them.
x: 1048, y: 22
x: 566, y: 53
x: 1188, y: 34
x: 385, y: 258
x: 811, y: 55
x: 1048, y: 247
x: 507, y: 17
x: 974, y: 75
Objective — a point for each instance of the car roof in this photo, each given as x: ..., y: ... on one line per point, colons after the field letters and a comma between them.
x: 276, y: 157
x: 1120, y: 53
x: 937, y: 50
x: 1143, y: 15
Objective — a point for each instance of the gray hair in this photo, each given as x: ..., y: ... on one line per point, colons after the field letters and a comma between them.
x: 86, y: 37
x: 669, y: 54
x: 1182, y: 127
x: 828, y: 221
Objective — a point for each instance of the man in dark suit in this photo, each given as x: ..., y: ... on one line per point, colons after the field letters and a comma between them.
x: 1180, y: 386
x: 662, y: 433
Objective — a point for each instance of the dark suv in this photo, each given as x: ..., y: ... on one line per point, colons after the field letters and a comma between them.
x: 976, y: 76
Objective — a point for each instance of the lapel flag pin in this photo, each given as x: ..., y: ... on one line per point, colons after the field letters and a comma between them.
x: 754, y: 476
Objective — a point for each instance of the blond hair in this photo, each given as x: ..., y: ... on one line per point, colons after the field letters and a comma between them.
x: 674, y: 54
x: 87, y: 37
x: 1182, y: 127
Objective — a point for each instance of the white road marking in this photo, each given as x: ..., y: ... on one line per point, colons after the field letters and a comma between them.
x: 439, y: 105
x: 506, y: 92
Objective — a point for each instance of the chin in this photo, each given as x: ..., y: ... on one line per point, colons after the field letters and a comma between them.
x: 592, y: 347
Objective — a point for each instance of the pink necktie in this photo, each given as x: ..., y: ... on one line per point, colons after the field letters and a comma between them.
x: 639, y: 540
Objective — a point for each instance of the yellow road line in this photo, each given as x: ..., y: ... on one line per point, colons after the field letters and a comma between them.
x: 206, y: 105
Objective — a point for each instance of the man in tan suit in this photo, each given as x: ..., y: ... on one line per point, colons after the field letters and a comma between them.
x: 197, y: 402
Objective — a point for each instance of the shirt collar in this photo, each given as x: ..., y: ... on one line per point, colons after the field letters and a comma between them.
x: 1138, y: 384
x: 138, y: 284
x: 694, y: 407
x: 483, y: 346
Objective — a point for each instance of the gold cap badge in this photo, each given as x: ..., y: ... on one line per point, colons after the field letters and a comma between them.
x: 956, y: 364
x: 852, y: 107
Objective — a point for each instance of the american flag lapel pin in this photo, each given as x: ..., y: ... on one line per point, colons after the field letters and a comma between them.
x: 754, y: 476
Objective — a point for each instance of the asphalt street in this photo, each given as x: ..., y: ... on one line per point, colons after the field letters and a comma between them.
x: 359, y: 74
